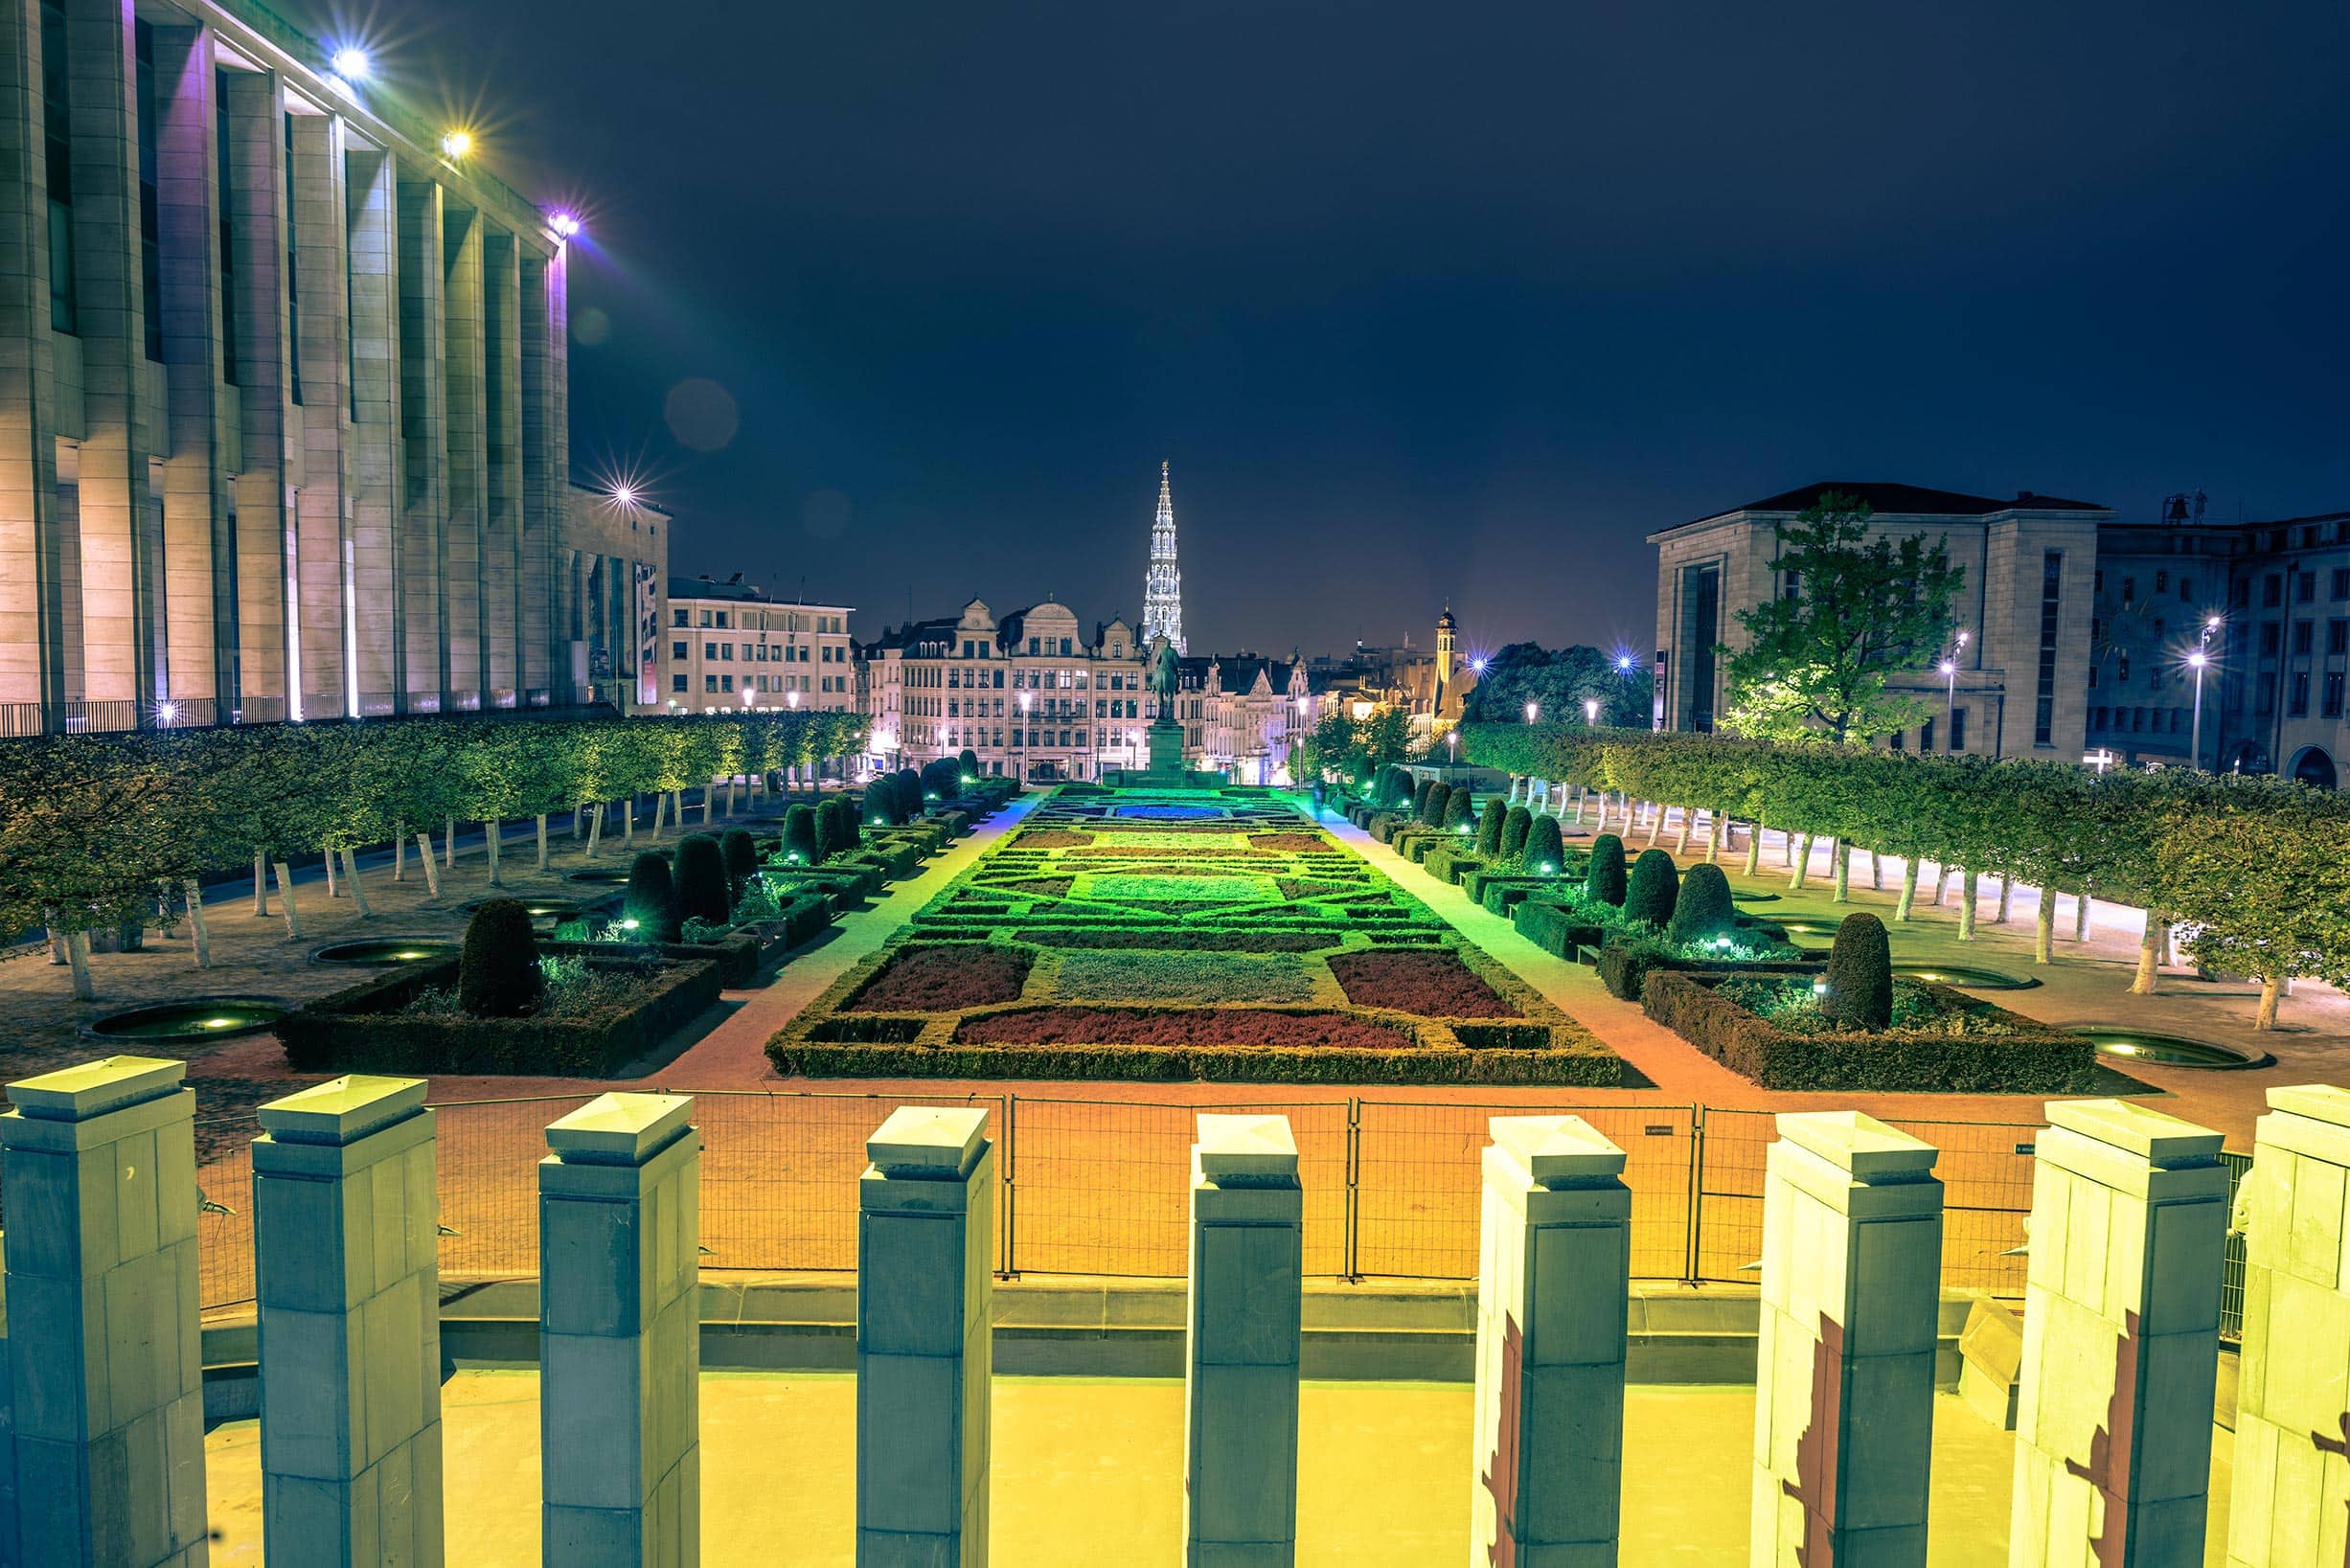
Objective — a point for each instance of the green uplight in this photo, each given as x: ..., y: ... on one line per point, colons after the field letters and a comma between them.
x: 221, y: 1023
x: 628, y: 925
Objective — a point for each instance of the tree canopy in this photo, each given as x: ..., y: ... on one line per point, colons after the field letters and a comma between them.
x: 1859, y: 607
x: 1560, y: 681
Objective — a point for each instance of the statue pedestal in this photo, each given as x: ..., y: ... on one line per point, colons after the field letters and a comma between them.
x: 1166, y: 743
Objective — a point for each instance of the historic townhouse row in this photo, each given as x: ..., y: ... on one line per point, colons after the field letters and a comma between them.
x: 283, y: 396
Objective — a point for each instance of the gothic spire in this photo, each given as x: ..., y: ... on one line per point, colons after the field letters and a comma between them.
x: 1162, y: 598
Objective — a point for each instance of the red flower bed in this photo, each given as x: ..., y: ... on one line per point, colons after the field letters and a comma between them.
x: 1293, y: 843
x: 942, y: 979
x: 1052, y: 838
x: 1194, y: 1026
x: 1431, y: 984
x: 1040, y: 887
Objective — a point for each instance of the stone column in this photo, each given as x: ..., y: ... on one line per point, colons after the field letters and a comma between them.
x: 257, y: 347
x: 462, y: 328
x: 926, y: 1247
x: 502, y: 577
x: 1240, y: 1394
x: 375, y: 437
x: 318, y: 344
x: 620, y: 1334
x: 32, y: 662
x: 1844, y: 1370
x: 546, y: 653
x: 2293, y: 1410
x: 1553, y: 1260
x: 346, y: 1248
x: 421, y: 549
x: 2121, y: 1321
x: 105, y: 1370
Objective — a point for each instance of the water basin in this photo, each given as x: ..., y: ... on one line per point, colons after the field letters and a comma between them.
x: 2168, y: 1050
x: 197, y: 1018
x: 383, y: 951
x: 1965, y: 977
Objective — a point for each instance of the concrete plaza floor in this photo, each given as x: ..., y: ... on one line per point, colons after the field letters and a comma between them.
x: 1089, y: 1471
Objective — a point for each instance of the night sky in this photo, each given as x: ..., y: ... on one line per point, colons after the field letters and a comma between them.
x: 1424, y: 303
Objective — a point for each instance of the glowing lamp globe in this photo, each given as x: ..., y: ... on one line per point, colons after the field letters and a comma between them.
x: 564, y: 224
x: 457, y: 143
x: 350, y: 64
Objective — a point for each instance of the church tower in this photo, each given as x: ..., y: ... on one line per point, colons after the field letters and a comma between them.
x: 1162, y: 591
x: 1447, y: 688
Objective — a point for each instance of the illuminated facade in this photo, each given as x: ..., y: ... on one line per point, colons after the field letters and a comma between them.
x: 1162, y: 595
x: 283, y: 433
x: 728, y: 644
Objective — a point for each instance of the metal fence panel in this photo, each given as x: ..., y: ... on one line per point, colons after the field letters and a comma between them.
x: 1420, y: 1173
x: 1103, y: 1186
x: 2231, y: 1255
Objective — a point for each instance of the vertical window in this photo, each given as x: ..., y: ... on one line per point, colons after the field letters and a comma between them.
x: 151, y: 211
x: 1958, y: 729
x: 293, y: 292
x: 58, y: 143
x: 1925, y: 739
x: 2333, y: 693
x: 2297, y: 705
x: 2051, y: 599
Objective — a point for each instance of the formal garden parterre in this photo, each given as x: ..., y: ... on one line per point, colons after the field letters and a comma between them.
x: 1198, y: 934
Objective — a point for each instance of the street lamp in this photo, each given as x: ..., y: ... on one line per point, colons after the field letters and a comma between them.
x: 1590, y: 713
x: 1025, y: 700
x: 2199, y: 661
x: 1532, y: 709
x: 792, y: 699
x: 1453, y: 740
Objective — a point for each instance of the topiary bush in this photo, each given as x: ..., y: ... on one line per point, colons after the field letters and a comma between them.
x: 1546, y: 851
x: 1460, y: 813
x: 1704, y: 910
x: 968, y: 761
x: 1603, y: 883
x: 1653, y: 889
x: 801, y: 847
x: 831, y: 835
x: 701, y: 880
x: 1420, y: 799
x: 1489, y: 829
x: 1860, y: 974
x: 497, y: 973
x: 1433, y: 810
x: 909, y: 792
x: 742, y: 857
x: 1515, y: 827
x: 881, y: 805
x: 651, y: 899
x: 852, y: 835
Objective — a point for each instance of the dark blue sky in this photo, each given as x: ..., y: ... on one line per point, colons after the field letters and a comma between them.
x: 1422, y: 303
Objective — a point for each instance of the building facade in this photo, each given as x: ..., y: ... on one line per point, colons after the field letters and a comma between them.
x: 729, y: 645
x: 2090, y: 638
x: 2018, y: 687
x: 284, y: 426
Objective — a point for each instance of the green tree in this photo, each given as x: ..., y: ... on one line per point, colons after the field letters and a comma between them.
x: 1862, y: 608
x: 1559, y: 682
x: 2263, y: 870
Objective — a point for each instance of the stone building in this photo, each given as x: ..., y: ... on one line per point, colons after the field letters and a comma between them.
x: 730, y: 644
x: 283, y: 429
x: 2018, y: 687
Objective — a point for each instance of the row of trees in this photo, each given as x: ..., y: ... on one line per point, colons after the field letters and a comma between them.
x: 89, y: 823
x: 1559, y: 682
x: 2253, y: 872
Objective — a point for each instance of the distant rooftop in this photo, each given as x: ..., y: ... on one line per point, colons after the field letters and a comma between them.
x: 1910, y: 500
x: 735, y: 588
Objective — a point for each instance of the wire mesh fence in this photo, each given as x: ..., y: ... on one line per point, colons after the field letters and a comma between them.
x: 1103, y: 1186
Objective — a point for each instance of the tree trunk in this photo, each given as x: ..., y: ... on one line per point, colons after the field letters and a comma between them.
x: 1910, y: 891
x: 400, y: 851
x: 491, y: 833
x: 350, y: 873
x: 1843, y: 873
x: 2043, y: 928
x: 1966, y: 908
x: 707, y: 791
x: 448, y: 843
x: 78, y: 959
x: 2007, y: 898
x: 286, y: 897
x: 1754, y: 849
x: 1803, y: 865
x: 260, y: 882
x: 330, y: 859
x: 1689, y: 820
x: 1787, y: 849
x: 1942, y: 882
x: 432, y: 869
x: 2156, y: 936
x: 2264, y: 1018
x: 660, y: 803
x: 196, y: 921
x: 542, y: 841
x: 1875, y: 872
x: 730, y: 794
x: 1581, y: 796
x: 1712, y: 837
x: 628, y: 823
x: 594, y: 829
x: 1656, y: 825
x: 2081, y: 912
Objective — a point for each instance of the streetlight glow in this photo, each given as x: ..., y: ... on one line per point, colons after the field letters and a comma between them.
x: 1590, y: 711
x: 564, y: 224
x: 1532, y: 707
x: 457, y: 143
x: 351, y: 63
x: 623, y: 494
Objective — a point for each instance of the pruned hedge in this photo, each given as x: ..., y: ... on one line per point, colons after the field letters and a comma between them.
x: 1592, y: 1067
x: 2034, y: 1059
x: 1625, y: 962
x: 361, y: 1029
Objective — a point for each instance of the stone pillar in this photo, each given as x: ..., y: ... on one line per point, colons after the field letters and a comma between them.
x: 2293, y: 1410
x: 546, y: 655
x: 1844, y: 1370
x: 1553, y: 1261
x: 318, y: 344
x: 926, y: 1248
x: 2121, y: 1323
x: 421, y: 549
x: 1240, y: 1393
x: 502, y: 474
x: 33, y: 661
x: 257, y: 349
x: 346, y: 1248
x: 105, y: 1370
x: 620, y: 1334
x: 467, y: 450
x: 375, y: 437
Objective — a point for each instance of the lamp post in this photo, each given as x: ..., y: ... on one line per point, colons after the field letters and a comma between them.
x: 1950, y: 695
x: 1453, y: 742
x: 1025, y: 700
x: 2199, y: 661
